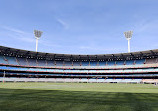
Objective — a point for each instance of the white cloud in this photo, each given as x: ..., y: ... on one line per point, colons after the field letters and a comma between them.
x: 18, y: 34
x: 64, y: 24
x: 13, y: 30
x: 25, y: 37
x: 144, y: 26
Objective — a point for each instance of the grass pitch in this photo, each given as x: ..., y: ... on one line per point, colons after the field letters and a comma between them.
x: 78, y: 97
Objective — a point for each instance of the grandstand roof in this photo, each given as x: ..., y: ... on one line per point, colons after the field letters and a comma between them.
x: 69, y: 57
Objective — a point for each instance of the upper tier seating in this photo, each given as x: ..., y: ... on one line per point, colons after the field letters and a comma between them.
x: 85, y: 63
x: 11, y: 60
x: 76, y: 63
x: 41, y: 62
x: 151, y: 61
x: 50, y: 63
x: 94, y: 63
x: 141, y: 61
x: 59, y: 63
x: 67, y: 63
x: 22, y: 61
x: 32, y: 62
x: 102, y: 63
x: 111, y: 63
x: 120, y: 62
x: 130, y: 62
x: 2, y: 60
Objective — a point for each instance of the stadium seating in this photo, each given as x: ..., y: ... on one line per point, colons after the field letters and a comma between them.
x: 22, y: 61
x: 59, y: 63
x: 111, y: 63
x: 11, y: 60
x: 44, y: 63
x: 151, y: 61
x: 32, y: 62
x: 130, y: 62
x: 141, y: 61
x: 80, y: 71
x: 76, y: 63
x: 41, y: 62
x: 67, y: 63
x: 94, y: 63
x: 85, y: 63
x: 120, y: 62
x: 50, y: 63
x: 102, y: 63
x: 115, y: 70
x: 2, y: 60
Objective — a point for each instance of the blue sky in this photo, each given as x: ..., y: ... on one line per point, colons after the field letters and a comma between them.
x: 79, y: 26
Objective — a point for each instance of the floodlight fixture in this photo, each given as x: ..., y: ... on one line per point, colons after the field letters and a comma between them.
x: 37, y: 37
x: 128, y: 36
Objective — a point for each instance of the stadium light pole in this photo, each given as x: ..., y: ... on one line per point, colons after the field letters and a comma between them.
x: 37, y: 37
x: 128, y: 36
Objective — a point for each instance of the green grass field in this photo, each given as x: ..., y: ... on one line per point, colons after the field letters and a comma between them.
x: 78, y: 97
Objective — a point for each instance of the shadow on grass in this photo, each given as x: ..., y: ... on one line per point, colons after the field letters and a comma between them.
x: 55, y: 100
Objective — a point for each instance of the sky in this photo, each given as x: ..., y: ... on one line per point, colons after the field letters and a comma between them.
x: 79, y: 26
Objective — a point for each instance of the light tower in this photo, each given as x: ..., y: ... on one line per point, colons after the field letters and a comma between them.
x: 128, y: 36
x: 37, y: 36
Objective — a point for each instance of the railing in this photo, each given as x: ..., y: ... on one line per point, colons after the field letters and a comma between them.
x: 71, y: 80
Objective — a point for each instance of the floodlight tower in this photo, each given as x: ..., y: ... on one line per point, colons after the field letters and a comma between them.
x: 37, y: 37
x: 128, y: 36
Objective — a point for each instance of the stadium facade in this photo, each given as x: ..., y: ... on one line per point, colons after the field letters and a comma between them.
x: 18, y: 65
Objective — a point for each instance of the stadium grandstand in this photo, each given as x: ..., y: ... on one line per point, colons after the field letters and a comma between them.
x: 18, y: 65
